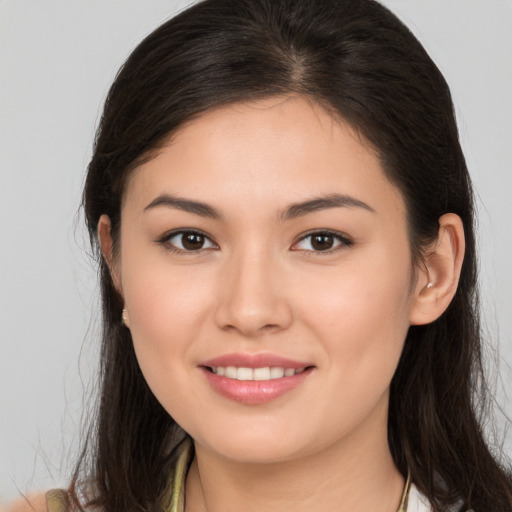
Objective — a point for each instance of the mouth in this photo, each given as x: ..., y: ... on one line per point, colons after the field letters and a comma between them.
x: 258, y: 374
x: 255, y: 379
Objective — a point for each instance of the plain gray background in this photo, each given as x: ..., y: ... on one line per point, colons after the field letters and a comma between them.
x: 57, y: 59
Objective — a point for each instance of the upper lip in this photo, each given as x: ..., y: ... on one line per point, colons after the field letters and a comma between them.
x: 261, y: 360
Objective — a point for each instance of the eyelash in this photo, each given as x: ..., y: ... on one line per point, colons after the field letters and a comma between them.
x: 165, y: 240
x: 343, y: 240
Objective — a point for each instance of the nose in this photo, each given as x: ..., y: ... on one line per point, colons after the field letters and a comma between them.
x: 252, y: 296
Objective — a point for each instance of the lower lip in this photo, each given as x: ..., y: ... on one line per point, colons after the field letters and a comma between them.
x: 254, y: 392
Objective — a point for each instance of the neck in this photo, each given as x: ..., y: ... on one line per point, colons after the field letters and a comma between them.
x: 354, y: 474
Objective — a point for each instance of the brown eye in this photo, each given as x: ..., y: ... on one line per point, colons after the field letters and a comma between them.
x: 323, y: 241
x: 187, y: 241
x: 192, y: 241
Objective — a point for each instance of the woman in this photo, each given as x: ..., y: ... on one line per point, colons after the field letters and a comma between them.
x: 285, y: 224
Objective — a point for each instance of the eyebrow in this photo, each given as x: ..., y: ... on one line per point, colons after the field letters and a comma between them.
x: 292, y: 211
x: 322, y: 203
x: 187, y: 205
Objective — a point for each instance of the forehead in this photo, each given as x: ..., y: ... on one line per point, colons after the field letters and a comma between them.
x: 262, y: 153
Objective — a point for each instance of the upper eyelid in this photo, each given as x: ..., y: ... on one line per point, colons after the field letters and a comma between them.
x: 337, y: 234
x: 181, y: 231
x: 325, y: 231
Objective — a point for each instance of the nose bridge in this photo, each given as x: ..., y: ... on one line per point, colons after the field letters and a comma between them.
x: 252, y: 297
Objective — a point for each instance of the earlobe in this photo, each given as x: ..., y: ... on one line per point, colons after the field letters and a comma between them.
x: 125, y: 318
x: 107, y: 249
x: 437, y: 282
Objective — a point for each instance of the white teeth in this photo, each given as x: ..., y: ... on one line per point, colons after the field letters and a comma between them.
x: 230, y: 372
x: 262, y: 373
x: 276, y: 373
x: 265, y: 373
x: 244, y: 374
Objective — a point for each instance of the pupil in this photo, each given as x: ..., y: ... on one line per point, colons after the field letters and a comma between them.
x: 193, y: 241
x: 322, y: 242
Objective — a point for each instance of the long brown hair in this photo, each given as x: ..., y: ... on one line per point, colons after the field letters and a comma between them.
x: 356, y: 59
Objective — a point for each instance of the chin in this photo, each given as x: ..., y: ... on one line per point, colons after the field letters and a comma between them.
x: 257, y: 453
x: 265, y: 446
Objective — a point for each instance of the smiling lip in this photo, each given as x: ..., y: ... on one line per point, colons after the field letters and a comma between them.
x: 255, y: 391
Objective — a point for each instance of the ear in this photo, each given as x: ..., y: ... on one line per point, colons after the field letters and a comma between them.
x: 107, y: 249
x: 437, y: 282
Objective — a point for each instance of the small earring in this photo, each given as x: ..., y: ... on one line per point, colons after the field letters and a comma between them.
x: 430, y: 285
x: 124, y: 317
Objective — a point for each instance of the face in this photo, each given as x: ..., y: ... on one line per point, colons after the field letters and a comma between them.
x: 266, y: 272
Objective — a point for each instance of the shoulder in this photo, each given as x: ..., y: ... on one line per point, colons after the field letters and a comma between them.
x: 30, y: 503
x: 51, y: 501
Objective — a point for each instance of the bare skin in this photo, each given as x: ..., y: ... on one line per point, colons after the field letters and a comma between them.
x: 257, y: 284
x: 362, y: 478
x: 254, y: 283
x: 33, y: 502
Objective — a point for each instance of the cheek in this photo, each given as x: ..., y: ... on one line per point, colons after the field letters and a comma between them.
x: 362, y: 315
x: 167, y: 307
